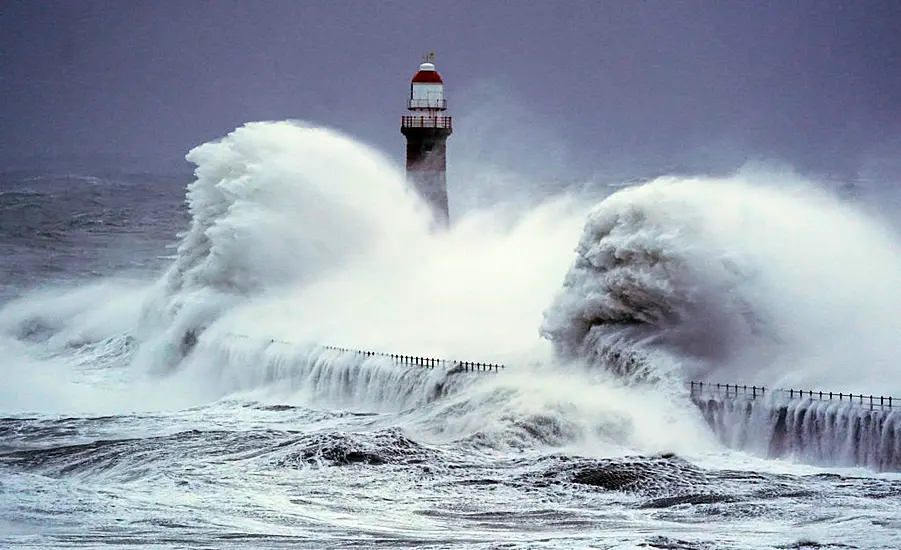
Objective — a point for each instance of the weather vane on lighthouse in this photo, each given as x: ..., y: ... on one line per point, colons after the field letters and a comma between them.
x: 427, y: 129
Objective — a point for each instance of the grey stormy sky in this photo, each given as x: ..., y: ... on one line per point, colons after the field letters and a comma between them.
x: 588, y: 85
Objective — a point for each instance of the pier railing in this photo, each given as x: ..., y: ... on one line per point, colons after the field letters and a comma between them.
x: 753, y: 392
x: 728, y: 391
x: 426, y: 362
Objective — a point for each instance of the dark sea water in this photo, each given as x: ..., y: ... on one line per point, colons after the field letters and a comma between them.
x: 58, y: 227
x: 115, y: 433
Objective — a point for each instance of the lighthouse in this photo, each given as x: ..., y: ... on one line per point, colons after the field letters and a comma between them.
x: 427, y: 128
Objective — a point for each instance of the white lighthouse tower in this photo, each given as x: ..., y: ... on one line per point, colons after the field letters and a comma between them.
x: 427, y: 128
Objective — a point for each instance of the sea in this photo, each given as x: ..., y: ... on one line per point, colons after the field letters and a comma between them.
x: 211, y: 360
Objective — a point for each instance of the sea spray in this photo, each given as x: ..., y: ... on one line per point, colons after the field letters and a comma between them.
x: 301, y: 235
x: 759, y: 278
x: 274, y: 204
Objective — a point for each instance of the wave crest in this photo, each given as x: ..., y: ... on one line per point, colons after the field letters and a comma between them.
x: 751, y: 279
x: 274, y: 204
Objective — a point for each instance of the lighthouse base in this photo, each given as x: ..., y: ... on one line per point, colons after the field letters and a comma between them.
x: 426, y: 167
x: 432, y: 187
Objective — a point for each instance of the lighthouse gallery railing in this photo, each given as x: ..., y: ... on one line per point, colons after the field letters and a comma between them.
x: 426, y: 122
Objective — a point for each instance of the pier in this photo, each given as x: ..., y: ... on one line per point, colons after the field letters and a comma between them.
x: 814, y: 426
x: 727, y: 391
x: 819, y: 427
x: 425, y: 362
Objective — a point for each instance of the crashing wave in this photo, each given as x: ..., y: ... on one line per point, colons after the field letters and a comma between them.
x: 729, y: 278
x: 261, y: 220
x: 647, y: 276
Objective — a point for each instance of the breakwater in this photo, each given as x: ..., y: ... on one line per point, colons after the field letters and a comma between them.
x: 425, y: 362
x: 819, y: 427
x: 813, y: 426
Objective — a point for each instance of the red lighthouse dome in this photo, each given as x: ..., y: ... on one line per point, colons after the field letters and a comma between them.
x: 427, y: 75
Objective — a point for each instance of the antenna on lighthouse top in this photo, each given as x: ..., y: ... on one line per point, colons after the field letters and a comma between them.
x: 427, y: 64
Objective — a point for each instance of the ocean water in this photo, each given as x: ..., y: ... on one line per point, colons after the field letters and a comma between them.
x: 165, y: 385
